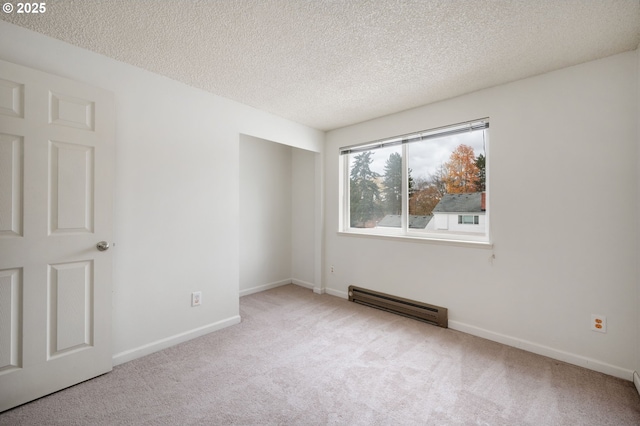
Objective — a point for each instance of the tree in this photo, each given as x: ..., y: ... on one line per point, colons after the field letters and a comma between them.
x: 427, y: 193
x: 462, y: 171
x: 438, y: 181
x: 392, y: 184
x: 365, y: 194
x: 482, y: 175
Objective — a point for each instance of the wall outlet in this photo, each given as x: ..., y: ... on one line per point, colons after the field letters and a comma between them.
x: 599, y: 323
x: 196, y: 298
x: 332, y: 270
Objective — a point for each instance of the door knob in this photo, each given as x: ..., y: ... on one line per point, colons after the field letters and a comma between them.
x: 103, y: 246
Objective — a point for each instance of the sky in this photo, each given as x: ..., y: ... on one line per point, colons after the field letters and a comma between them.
x: 425, y: 157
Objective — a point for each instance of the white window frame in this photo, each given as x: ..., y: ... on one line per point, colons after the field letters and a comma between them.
x: 404, y: 232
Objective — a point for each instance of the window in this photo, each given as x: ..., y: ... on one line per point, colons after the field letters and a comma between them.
x: 430, y: 184
x: 468, y: 219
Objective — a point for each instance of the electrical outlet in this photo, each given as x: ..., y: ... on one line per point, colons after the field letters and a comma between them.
x: 599, y: 323
x: 332, y: 270
x: 196, y: 298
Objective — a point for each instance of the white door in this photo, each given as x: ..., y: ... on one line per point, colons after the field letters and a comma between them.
x: 56, y: 197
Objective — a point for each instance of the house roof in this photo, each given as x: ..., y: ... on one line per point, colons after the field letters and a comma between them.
x: 460, y: 203
x: 415, y: 221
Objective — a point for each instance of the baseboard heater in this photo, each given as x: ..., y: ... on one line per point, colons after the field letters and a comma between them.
x: 435, y: 315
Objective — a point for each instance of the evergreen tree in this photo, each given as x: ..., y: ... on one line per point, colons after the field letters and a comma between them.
x: 482, y: 175
x: 392, y: 192
x: 364, y: 191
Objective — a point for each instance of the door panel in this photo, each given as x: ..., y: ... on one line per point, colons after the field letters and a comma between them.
x: 71, y: 188
x: 70, y: 307
x: 56, y: 204
x: 11, y: 148
x: 11, y: 98
x: 10, y: 319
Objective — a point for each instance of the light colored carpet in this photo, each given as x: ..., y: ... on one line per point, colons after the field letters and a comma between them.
x: 299, y: 358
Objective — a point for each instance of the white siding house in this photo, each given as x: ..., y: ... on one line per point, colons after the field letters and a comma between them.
x: 460, y: 213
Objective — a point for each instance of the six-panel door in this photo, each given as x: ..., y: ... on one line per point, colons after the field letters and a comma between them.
x: 56, y: 198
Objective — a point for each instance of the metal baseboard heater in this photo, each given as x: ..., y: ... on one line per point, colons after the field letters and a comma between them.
x: 435, y: 315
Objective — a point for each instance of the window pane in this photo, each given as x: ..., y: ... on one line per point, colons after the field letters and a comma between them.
x: 467, y: 219
x: 375, y: 188
x: 446, y: 179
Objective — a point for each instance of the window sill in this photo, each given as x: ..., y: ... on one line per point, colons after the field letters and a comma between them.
x: 416, y: 239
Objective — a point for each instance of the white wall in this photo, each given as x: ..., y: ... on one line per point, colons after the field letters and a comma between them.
x: 304, y: 193
x: 265, y: 214
x: 277, y: 215
x: 177, y: 200
x: 565, y: 143
x: 637, y: 365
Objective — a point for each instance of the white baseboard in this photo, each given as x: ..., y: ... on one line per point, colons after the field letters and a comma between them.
x: 269, y: 286
x: 130, y: 355
x: 536, y: 348
x: 264, y: 287
x: 302, y: 283
x: 337, y: 293
x: 636, y: 380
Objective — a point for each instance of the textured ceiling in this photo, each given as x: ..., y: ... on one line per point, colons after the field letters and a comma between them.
x: 331, y: 63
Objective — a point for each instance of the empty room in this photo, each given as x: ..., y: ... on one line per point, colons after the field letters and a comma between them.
x: 320, y: 212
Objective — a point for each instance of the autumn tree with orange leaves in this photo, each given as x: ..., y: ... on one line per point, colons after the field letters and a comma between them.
x: 462, y: 172
x: 427, y: 193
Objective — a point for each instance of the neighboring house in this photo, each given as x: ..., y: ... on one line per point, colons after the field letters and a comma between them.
x: 460, y: 213
x: 415, y: 221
